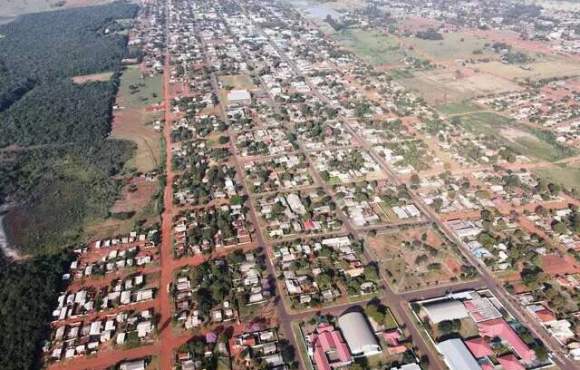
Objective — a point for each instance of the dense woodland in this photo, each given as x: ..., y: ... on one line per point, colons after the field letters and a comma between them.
x: 63, y: 179
x: 28, y: 293
x: 63, y: 176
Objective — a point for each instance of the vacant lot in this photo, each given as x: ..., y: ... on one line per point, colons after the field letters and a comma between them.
x: 133, y: 121
x: 373, y: 46
x: 239, y: 82
x: 138, y: 90
x: 567, y: 176
x: 529, y: 142
x: 457, y: 45
x: 415, y: 258
x: 442, y: 87
x: 548, y: 68
x: 99, y: 77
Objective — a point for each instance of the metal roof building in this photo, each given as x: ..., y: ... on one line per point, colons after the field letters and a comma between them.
x: 448, y: 309
x: 457, y: 356
x: 358, y: 334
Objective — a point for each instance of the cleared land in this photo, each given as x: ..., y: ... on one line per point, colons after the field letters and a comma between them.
x: 529, y: 142
x: 133, y: 121
x: 446, y: 86
x: 454, y: 46
x: 139, y: 91
x: 558, y: 67
x: 373, y: 46
x: 568, y: 176
x: 415, y: 258
x: 96, y: 77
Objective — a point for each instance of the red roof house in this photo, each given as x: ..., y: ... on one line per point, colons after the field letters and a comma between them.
x: 330, y: 349
x: 500, y: 328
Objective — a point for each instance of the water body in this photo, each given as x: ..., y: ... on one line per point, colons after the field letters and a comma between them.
x: 4, y: 245
x: 315, y: 9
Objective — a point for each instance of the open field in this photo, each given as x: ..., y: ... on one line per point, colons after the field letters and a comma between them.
x: 134, y: 122
x: 137, y: 91
x: 461, y: 107
x: 415, y: 258
x: 567, y: 176
x: 522, y: 139
x: 239, y: 82
x: 96, y: 77
x: 444, y: 86
x: 456, y: 45
x: 558, y: 67
x: 373, y: 46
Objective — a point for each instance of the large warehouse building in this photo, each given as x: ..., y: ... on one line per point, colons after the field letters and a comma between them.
x: 358, y: 335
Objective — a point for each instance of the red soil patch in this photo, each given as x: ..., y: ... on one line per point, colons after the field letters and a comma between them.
x: 557, y: 265
x: 133, y: 201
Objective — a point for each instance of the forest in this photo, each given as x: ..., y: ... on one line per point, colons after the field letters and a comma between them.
x: 57, y: 165
x: 28, y: 293
x: 62, y: 175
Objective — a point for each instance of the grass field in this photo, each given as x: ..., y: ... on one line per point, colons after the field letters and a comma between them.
x: 373, y: 46
x: 567, y: 176
x: 520, y: 138
x: 137, y: 92
x: 133, y: 120
x: 461, y: 107
x: 450, y: 48
x: 240, y: 81
x: 549, y: 68
x: 441, y: 87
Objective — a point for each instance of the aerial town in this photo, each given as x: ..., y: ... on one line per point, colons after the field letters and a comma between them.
x: 344, y: 184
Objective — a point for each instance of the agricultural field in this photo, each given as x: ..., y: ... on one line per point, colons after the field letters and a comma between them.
x: 418, y: 257
x: 373, y: 46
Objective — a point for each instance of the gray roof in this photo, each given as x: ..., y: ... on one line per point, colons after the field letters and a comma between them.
x: 457, y: 356
x: 358, y: 335
x: 448, y: 309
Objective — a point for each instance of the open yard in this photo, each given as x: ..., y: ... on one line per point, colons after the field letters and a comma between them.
x: 415, y: 258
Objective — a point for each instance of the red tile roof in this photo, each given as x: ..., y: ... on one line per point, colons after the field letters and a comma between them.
x: 328, y: 339
x: 510, y: 362
x: 479, y: 347
x: 500, y: 328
